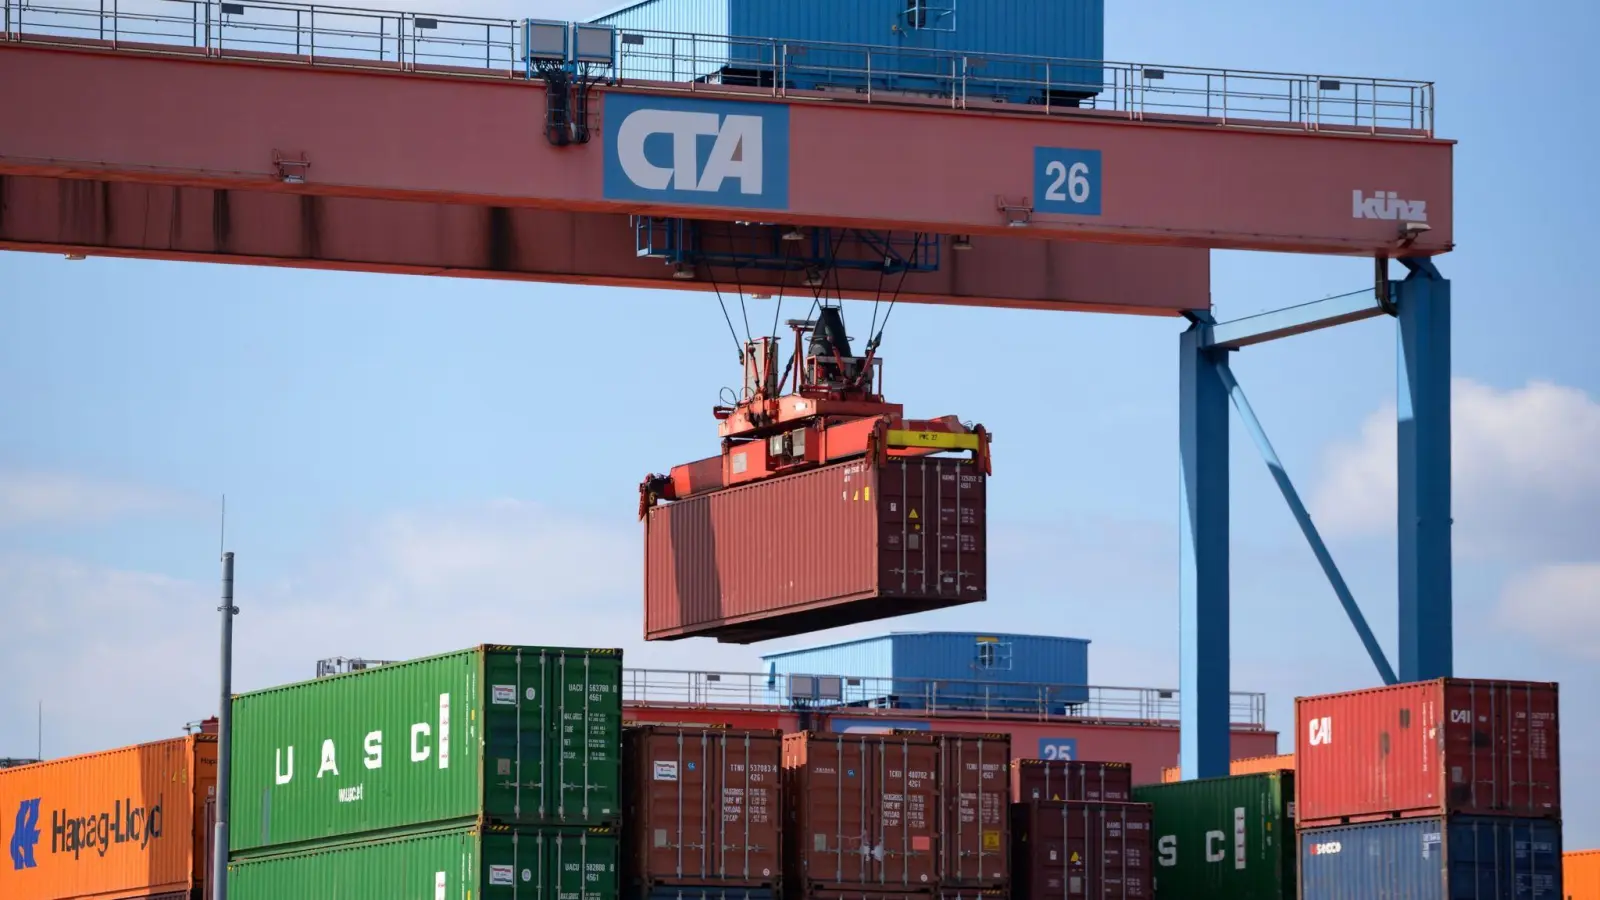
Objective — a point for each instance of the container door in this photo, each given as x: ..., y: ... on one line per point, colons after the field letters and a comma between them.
x: 836, y: 791
x: 907, y: 771
x: 973, y: 834
x: 552, y: 735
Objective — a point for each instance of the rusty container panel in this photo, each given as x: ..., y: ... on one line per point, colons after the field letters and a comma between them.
x: 1070, y: 779
x: 847, y: 543
x: 863, y: 812
x: 975, y: 830
x: 1074, y: 849
x: 1450, y: 745
x: 705, y: 808
x: 130, y: 822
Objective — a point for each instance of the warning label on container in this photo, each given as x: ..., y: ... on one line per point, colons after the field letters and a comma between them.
x: 504, y: 693
x: 502, y: 875
x: 666, y: 770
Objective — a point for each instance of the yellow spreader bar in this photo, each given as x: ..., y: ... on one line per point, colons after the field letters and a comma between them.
x: 938, y: 440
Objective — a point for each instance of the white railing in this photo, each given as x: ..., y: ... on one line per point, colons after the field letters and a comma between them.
x: 486, y: 47
x: 970, y: 698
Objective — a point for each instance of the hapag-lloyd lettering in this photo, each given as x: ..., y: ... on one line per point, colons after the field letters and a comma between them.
x: 96, y: 832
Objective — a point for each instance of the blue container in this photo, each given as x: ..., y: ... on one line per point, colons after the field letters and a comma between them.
x: 1015, y: 51
x: 950, y: 669
x: 711, y: 892
x: 1459, y: 858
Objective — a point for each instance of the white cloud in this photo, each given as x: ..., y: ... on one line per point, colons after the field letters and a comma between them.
x: 48, y: 498
x: 119, y: 657
x: 1556, y: 604
x: 1526, y: 473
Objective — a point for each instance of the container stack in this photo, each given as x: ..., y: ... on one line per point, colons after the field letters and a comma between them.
x: 493, y: 771
x: 900, y: 816
x: 1076, y: 833
x: 1228, y: 838
x: 1455, y: 784
x: 704, y: 815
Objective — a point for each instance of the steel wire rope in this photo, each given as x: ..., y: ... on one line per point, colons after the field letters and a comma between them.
x: 816, y: 297
x: 738, y: 285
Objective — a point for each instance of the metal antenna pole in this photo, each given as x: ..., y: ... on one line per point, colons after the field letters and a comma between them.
x: 219, y: 844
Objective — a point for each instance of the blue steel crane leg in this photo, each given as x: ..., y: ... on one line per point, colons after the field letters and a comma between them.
x: 1203, y: 559
x: 1422, y: 302
x: 1292, y: 497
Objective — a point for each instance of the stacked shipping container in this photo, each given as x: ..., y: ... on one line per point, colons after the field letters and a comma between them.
x: 704, y: 816
x: 901, y: 816
x: 1580, y: 874
x: 469, y: 774
x: 1074, y: 832
x: 1455, y: 783
x: 124, y: 823
x: 1226, y: 838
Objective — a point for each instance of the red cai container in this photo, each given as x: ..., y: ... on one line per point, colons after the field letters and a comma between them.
x: 974, y: 831
x: 1451, y: 745
x: 1076, y: 849
x: 1070, y: 779
x: 847, y: 543
x: 705, y: 808
x: 863, y: 812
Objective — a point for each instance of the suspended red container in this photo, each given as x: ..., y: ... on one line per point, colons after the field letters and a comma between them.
x: 1429, y: 748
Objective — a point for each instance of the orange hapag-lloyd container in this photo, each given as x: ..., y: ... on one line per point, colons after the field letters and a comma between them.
x: 1580, y: 875
x: 124, y: 823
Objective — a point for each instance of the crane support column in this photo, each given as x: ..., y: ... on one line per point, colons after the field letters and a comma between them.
x: 1422, y: 303
x: 1203, y: 567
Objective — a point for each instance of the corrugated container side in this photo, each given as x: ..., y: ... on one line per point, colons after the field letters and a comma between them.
x: 1455, y: 858
x: 1066, y: 779
x: 464, y: 863
x: 709, y: 892
x: 1449, y: 745
x: 846, y: 793
x: 745, y: 563
x: 1247, y: 766
x: 1224, y: 838
x: 129, y: 822
x: 1077, y: 849
x: 1580, y: 875
x: 527, y: 735
x: 704, y: 809
x: 974, y: 827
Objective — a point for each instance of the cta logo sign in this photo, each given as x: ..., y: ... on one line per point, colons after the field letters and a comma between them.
x: 692, y: 151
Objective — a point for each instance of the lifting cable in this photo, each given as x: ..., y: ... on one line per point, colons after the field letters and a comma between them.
x: 816, y: 297
x: 738, y: 347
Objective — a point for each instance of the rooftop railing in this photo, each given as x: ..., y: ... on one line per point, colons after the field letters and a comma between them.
x: 983, y: 698
x: 487, y: 47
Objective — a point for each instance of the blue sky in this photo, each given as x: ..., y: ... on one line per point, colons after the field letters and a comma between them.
x: 415, y: 464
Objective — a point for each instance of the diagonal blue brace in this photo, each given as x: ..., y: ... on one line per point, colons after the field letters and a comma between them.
x: 1422, y: 303
x: 1301, y: 516
x: 1204, y: 722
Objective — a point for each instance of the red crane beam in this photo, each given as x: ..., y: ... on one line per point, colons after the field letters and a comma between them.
x: 256, y: 160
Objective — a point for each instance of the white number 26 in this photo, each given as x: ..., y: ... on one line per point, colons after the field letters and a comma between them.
x: 1075, y: 178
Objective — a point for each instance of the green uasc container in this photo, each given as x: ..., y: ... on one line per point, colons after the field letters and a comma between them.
x: 477, y: 862
x: 502, y: 734
x: 1224, y: 838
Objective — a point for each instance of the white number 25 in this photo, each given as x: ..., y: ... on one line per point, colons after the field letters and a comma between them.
x: 1076, y: 179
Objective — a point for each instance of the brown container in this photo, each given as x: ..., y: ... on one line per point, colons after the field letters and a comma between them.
x: 704, y: 807
x: 975, y: 831
x: 863, y: 812
x: 1429, y: 748
x: 1063, y: 779
x: 130, y: 822
x: 846, y: 543
x: 1075, y: 849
